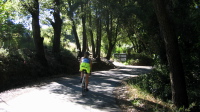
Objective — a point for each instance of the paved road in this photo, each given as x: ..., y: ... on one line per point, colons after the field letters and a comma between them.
x: 64, y: 94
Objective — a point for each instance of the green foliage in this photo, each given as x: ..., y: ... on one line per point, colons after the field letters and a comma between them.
x: 3, y: 53
x: 120, y: 50
x: 70, y: 62
x: 20, y: 67
x: 138, y: 35
x: 4, y: 11
x: 136, y: 102
x: 16, y: 36
x: 14, y: 70
x: 156, y: 83
x: 47, y: 34
x: 139, y: 59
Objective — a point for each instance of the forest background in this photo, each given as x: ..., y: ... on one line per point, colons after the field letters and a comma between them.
x: 42, y: 38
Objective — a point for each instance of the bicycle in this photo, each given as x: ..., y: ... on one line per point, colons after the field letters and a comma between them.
x: 83, y: 83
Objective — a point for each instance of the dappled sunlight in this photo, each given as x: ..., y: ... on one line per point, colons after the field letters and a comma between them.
x: 3, y: 52
x: 42, y: 101
x: 113, y: 80
x: 124, y: 72
x: 132, y: 99
x: 42, y: 39
x: 22, y: 55
x: 63, y: 93
x: 101, y: 86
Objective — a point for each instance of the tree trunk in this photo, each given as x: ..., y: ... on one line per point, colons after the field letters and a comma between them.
x: 76, y: 38
x: 112, y: 37
x: 178, y: 86
x: 91, y: 35
x: 110, y: 48
x: 38, y: 40
x: 109, y: 34
x: 98, y: 51
x: 70, y: 14
x: 84, y: 30
x: 57, y: 27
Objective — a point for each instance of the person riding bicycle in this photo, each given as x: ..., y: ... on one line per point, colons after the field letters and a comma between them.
x: 86, y: 64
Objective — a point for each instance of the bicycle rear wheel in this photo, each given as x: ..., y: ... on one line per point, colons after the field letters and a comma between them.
x: 83, y: 86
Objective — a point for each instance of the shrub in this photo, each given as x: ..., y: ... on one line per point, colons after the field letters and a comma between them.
x: 156, y: 83
x: 139, y: 59
x: 14, y: 71
x: 20, y: 67
x: 3, y: 53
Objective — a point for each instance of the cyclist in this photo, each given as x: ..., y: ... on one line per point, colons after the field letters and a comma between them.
x: 86, y: 64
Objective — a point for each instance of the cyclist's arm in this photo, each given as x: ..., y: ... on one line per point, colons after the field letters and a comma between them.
x: 81, y: 60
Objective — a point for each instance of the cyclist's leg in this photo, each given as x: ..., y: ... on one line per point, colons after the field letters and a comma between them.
x: 82, y: 74
x: 81, y: 71
x: 87, y: 76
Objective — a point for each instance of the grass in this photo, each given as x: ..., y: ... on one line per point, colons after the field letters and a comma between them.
x: 152, y: 92
x: 146, y: 101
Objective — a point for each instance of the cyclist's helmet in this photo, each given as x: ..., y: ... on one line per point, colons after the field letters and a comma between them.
x: 87, y: 53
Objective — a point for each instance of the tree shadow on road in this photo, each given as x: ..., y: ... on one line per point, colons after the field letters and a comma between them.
x: 100, y: 95
x: 101, y: 86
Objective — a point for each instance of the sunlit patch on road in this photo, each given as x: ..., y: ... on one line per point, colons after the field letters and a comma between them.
x: 64, y: 94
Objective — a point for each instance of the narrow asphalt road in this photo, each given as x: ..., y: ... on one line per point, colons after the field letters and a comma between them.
x: 64, y: 94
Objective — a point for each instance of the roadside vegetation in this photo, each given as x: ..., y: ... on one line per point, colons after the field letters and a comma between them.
x: 152, y: 92
x: 41, y: 39
x: 19, y: 67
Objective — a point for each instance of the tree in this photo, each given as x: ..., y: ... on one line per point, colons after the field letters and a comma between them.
x: 91, y: 33
x: 99, y: 38
x: 70, y: 13
x: 83, y: 18
x: 112, y: 33
x: 178, y: 85
x: 98, y: 25
x: 4, y: 11
x: 4, y: 20
x: 33, y: 8
x: 56, y: 26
